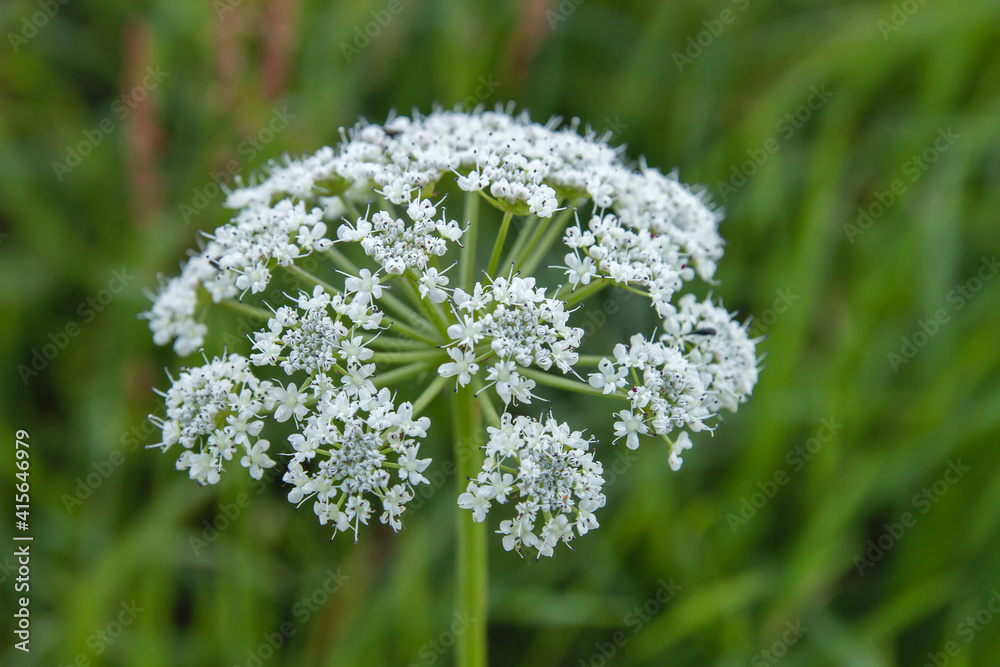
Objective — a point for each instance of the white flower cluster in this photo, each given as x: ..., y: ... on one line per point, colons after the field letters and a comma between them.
x: 238, y: 258
x: 720, y: 348
x: 522, y: 327
x: 666, y: 391
x: 640, y: 256
x: 311, y: 340
x: 212, y: 411
x: 342, y: 453
x: 513, y: 180
x: 705, y: 362
x: 397, y: 245
x: 295, y: 178
x: 518, y: 162
x: 550, y: 474
x: 635, y: 228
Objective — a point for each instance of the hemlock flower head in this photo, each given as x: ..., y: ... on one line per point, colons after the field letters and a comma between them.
x: 551, y: 475
x: 366, y: 267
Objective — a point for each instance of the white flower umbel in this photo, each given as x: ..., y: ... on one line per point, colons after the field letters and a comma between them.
x: 353, y: 447
x: 513, y: 323
x: 405, y: 262
x: 548, y: 472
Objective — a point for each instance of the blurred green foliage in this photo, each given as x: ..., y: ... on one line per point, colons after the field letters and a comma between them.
x: 835, y: 293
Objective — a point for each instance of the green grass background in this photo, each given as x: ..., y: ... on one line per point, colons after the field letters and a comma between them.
x: 612, y: 65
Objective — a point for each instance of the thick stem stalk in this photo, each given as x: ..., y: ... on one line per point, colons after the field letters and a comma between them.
x: 470, y: 574
x: 467, y: 264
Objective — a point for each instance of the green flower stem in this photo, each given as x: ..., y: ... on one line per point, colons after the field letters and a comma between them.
x: 247, y: 309
x: 489, y: 410
x: 552, y: 234
x: 345, y: 264
x: 470, y: 575
x: 558, y: 221
x: 629, y: 288
x: 567, y: 384
x: 310, y: 278
x: 402, y: 373
x: 522, y: 239
x: 401, y: 308
x: 341, y: 260
x: 573, y: 295
x: 394, y: 344
x: 428, y: 395
x: 352, y: 210
x: 406, y: 357
x: 590, y: 359
x: 527, y: 247
x: 400, y: 328
x: 408, y: 285
x: 430, y: 309
x: 467, y: 260
x: 498, y: 245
